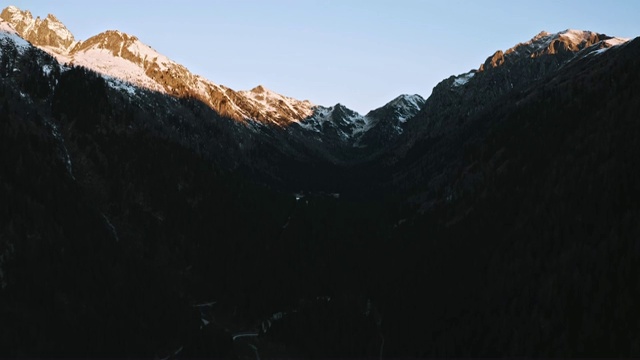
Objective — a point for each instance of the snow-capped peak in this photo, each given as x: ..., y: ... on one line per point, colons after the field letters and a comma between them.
x: 343, y: 121
x: 123, y: 58
x: 12, y: 15
x: 399, y: 109
x: 350, y: 127
x: 543, y: 41
x: 281, y: 109
x: 59, y: 29
x: 414, y: 102
x: 571, y: 39
x: 49, y: 33
x: 118, y: 55
x: 122, y: 46
x: 568, y: 42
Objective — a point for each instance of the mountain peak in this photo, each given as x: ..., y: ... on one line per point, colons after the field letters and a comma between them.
x: 258, y: 89
x: 401, y: 108
x: 114, y: 41
x: 118, y: 55
x: 542, y: 33
x: 415, y: 101
x: 15, y: 11
x: 48, y: 33
x: 20, y: 20
x: 567, y: 42
x: 117, y: 34
x: 276, y: 108
x: 52, y: 17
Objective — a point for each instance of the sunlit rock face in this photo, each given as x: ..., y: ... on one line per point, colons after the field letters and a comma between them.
x: 567, y: 43
x: 125, y: 57
x: 48, y: 32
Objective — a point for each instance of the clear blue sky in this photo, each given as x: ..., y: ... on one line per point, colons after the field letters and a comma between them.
x: 361, y: 53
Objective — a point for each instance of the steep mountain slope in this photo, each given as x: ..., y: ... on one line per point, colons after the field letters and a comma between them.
x: 461, y: 96
x: 109, y: 172
x: 389, y: 122
x: 528, y: 206
x: 120, y: 213
x: 284, y: 110
x: 125, y: 57
x: 313, y: 137
x: 458, y: 98
x: 10, y: 37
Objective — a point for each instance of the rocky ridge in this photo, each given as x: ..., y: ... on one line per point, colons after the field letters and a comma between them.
x: 124, y: 57
x: 352, y: 127
x: 48, y: 33
x: 457, y: 98
x: 566, y: 43
x: 124, y: 60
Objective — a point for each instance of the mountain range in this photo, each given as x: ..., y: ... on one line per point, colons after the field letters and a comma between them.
x: 125, y: 58
x: 127, y: 63
x: 148, y: 212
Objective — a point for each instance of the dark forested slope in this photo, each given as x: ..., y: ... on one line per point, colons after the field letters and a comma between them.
x: 512, y: 232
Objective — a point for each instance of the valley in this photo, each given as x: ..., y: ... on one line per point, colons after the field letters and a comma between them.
x: 148, y: 212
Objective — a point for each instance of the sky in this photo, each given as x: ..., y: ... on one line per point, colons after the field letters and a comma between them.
x: 360, y: 53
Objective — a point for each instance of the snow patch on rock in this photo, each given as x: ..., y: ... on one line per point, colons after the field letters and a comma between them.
x: 8, y: 33
x: 463, y: 79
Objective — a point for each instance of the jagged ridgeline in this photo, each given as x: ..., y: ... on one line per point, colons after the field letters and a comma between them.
x: 148, y: 212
